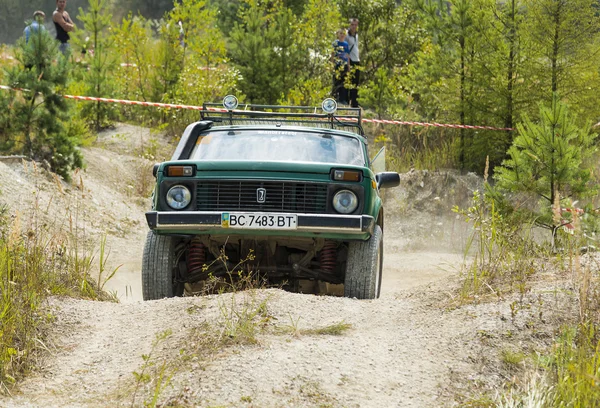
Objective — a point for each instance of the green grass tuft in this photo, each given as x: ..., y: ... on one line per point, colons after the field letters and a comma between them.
x: 36, y: 261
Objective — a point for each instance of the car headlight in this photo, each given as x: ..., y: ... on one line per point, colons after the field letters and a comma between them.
x: 345, y: 201
x: 178, y: 197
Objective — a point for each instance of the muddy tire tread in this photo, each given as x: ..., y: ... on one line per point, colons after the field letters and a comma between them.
x: 362, y: 267
x: 157, y: 266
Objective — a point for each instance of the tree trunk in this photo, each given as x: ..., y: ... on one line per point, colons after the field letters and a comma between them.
x: 462, y: 100
x: 96, y: 66
x: 556, y: 45
x: 28, y: 141
x: 510, y: 73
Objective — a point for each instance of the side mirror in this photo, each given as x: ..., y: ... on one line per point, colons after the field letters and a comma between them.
x: 155, y: 169
x: 387, y: 179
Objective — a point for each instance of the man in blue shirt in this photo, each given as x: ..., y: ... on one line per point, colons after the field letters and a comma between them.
x: 36, y: 25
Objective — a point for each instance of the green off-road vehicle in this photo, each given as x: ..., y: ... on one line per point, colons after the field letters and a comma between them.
x: 289, y: 192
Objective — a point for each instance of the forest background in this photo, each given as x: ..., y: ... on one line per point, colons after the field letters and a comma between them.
x: 475, y: 62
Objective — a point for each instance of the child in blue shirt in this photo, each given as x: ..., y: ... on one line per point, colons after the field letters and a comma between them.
x: 340, y: 57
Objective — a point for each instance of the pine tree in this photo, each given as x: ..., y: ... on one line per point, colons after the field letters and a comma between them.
x: 564, y: 36
x: 205, y: 74
x: 549, y: 160
x: 496, y: 65
x: 453, y: 24
x: 313, y: 37
x: 252, y: 53
x: 382, y: 91
x: 204, y: 45
x: 38, y: 114
x: 168, y: 61
x: 134, y: 42
x: 389, y: 32
x: 7, y: 142
x: 286, y: 56
x: 97, y: 22
x: 150, y: 9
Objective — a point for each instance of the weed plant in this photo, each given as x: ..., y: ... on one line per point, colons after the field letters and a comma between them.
x: 241, y: 319
x: 504, y: 260
x: 422, y: 150
x: 535, y: 395
x: 149, y: 152
x: 504, y: 253
x: 574, y: 368
x: 573, y: 364
x: 33, y: 265
x: 244, y: 312
x: 335, y: 329
x: 243, y: 315
x: 155, y: 374
x: 38, y: 260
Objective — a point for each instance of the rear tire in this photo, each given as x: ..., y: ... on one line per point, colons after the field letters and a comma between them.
x: 364, y: 267
x: 158, y: 268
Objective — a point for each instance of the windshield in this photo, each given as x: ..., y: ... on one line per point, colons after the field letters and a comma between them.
x: 279, y: 145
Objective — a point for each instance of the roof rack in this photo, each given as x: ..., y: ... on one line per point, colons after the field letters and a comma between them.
x: 348, y: 119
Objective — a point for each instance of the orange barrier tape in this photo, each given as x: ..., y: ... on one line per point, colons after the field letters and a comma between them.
x: 573, y: 210
x: 8, y: 88
x: 133, y: 65
x: 121, y: 101
x: 127, y: 102
x: 426, y: 124
x: 199, y: 108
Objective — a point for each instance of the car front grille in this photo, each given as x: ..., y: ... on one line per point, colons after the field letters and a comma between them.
x: 217, y: 195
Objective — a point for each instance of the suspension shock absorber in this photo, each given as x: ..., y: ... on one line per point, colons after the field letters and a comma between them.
x: 196, y: 256
x: 328, y: 256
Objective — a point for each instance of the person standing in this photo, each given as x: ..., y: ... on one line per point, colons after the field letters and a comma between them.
x: 36, y: 25
x: 34, y: 33
x: 340, y: 57
x: 181, y: 34
x: 64, y: 25
x: 354, y: 58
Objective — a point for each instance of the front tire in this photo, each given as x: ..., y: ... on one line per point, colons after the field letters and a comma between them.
x: 364, y: 267
x: 158, y: 268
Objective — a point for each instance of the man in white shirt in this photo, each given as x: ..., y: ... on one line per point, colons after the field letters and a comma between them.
x: 354, y: 58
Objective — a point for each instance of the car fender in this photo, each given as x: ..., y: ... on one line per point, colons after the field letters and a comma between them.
x: 378, y: 212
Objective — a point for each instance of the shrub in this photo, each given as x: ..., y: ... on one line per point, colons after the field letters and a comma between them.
x: 37, y: 116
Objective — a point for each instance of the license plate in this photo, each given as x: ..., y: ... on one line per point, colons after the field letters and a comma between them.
x: 259, y: 221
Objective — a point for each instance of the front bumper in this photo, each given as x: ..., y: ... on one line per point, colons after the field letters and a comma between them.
x: 307, y: 223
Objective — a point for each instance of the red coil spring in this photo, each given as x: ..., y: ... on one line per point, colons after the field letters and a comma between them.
x: 196, y: 256
x: 328, y: 256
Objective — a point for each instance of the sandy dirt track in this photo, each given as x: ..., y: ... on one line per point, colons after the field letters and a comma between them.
x: 402, y: 350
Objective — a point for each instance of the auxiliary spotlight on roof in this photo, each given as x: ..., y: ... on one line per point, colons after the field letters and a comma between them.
x: 329, y: 106
x: 330, y: 116
x: 230, y: 102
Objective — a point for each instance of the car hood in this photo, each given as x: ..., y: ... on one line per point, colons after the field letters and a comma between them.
x: 265, y: 166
